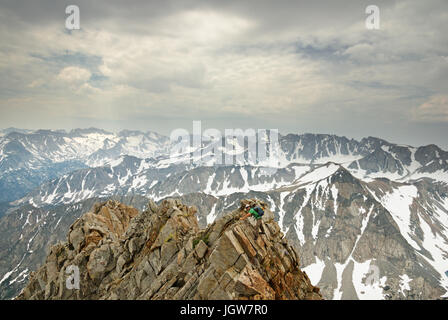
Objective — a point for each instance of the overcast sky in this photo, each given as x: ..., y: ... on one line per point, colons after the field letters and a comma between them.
x: 298, y: 66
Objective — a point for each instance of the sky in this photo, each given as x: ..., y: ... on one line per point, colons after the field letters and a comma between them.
x: 296, y: 66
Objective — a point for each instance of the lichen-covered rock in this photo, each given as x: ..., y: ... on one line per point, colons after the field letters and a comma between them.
x: 163, y: 254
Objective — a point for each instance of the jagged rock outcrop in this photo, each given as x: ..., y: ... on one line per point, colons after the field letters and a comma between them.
x: 162, y: 253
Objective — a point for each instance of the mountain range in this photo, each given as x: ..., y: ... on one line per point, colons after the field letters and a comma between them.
x: 368, y: 218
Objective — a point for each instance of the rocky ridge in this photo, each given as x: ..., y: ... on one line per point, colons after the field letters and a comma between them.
x: 162, y: 253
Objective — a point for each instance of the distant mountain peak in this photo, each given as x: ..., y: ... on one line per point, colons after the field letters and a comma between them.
x: 80, y: 131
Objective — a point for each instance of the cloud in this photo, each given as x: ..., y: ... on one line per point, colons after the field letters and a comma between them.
x: 433, y: 110
x: 294, y: 65
x: 74, y: 75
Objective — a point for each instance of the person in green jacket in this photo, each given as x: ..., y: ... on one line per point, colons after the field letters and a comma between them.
x: 256, y: 212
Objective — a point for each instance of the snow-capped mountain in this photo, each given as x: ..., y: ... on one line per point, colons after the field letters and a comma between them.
x: 369, y: 217
x: 28, y: 159
x: 111, y: 173
x: 131, y: 175
x: 346, y: 228
x: 6, y: 131
x: 367, y: 240
x: 378, y: 239
x: 91, y: 146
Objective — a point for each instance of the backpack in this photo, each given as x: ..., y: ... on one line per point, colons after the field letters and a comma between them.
x: 259, y: 211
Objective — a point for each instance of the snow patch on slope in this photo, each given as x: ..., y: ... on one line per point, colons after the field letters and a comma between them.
x: 318, y: 174
x: 366, y: 280
x: 314, y: 271
x: 398, y: 203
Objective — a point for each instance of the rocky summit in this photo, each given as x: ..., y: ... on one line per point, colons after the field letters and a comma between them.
x: 162, y: 253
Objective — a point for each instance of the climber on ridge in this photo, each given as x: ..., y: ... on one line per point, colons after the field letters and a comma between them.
x: 257, y: 212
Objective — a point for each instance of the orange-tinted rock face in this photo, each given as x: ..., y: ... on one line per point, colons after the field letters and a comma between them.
x: 162, y: 254
x: 110, y: 220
